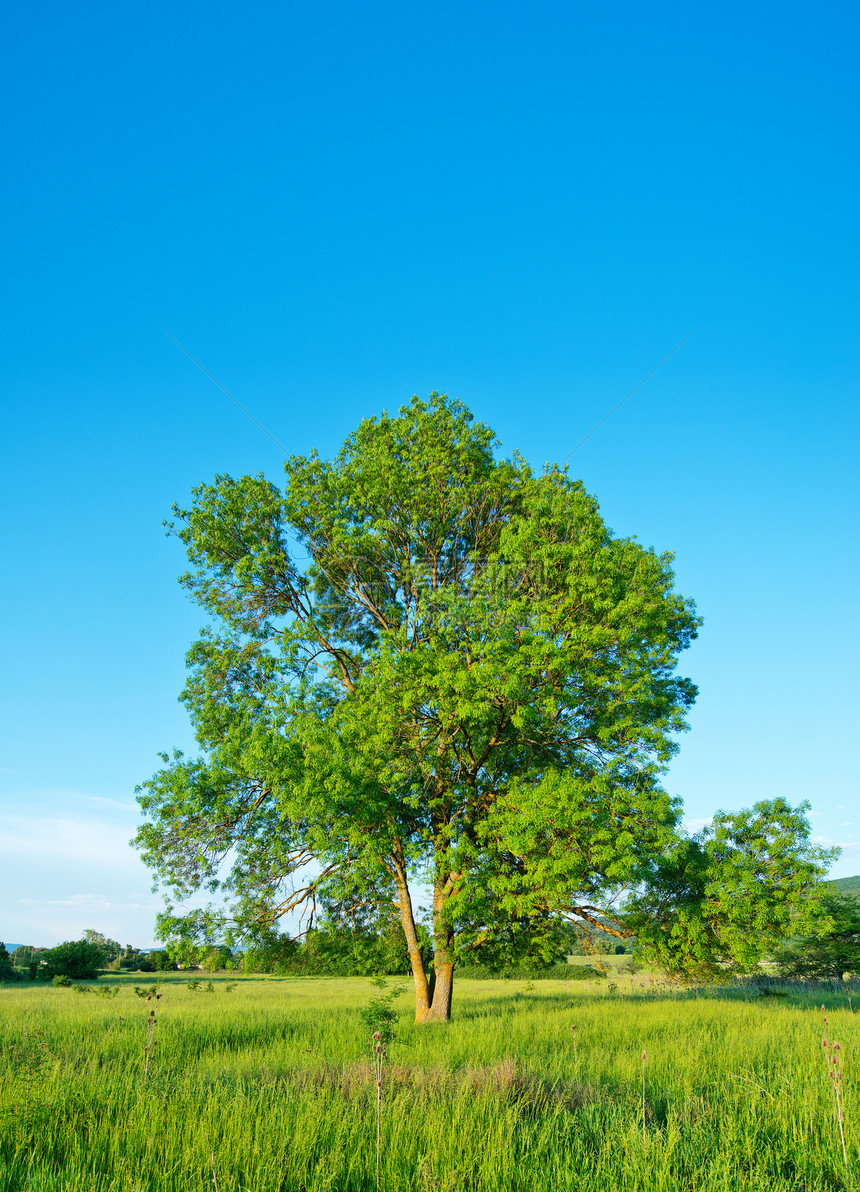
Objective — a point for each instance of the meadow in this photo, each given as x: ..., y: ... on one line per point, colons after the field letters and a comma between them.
x: 266, y: 1085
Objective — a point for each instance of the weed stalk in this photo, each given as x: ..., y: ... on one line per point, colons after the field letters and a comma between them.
x: 377, y: 1050
x: 150, y: 1038
x: 833, y: 1060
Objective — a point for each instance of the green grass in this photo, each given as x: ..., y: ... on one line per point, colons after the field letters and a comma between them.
x: 275, y: 1078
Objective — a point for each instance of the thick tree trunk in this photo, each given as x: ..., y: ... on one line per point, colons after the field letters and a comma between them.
x: 423, y: 993
x: 433, y: 996
x: 439, y: 1009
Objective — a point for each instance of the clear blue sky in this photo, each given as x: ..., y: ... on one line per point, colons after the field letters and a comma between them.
x: 334, y: 206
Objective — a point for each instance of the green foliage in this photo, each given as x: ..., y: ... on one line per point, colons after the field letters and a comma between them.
x: 333, y: 951
x: 834, y: 949
x: 7, y: 969
x: 75, y: 958
x: 216, y: 959
x: 98, y: 990
x: 110, y: 949
x: 161, y: 961
x: 471, y: 684
x: 61, y: 980
x: 725, y: 898
x: 379, y: 1015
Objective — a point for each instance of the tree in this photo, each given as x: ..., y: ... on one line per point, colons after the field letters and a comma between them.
x: 470, y: 684
x: 111, y: 950
x: 160, y: 961
x: 832, y: 952
x: 725, y: 897
x: 7, y: 970
x: 78, y: 959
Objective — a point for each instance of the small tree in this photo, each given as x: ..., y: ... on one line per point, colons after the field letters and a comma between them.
x: 831, y: 953
x: 726, y: 897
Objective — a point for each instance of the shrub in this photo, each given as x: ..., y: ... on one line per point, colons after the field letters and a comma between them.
x: 61, y: 980
x: 75, y: 958
x: 379, y: 1017
x: 161, y: 961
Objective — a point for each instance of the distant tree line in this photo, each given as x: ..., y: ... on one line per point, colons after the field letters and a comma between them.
x: 351, y: 941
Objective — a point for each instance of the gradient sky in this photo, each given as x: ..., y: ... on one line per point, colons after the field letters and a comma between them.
x: 335, y: 206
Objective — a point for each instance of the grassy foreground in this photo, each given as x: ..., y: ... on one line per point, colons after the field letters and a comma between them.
x: 269, y: 1087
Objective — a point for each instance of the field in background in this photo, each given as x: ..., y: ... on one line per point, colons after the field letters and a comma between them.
x: 268, y: 1087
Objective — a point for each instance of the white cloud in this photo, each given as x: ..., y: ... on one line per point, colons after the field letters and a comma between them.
x: 80, y: 841
x: 61, y: 873
x: 123, y: 805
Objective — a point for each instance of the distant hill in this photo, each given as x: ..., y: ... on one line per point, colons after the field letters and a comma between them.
x: 848, y: 885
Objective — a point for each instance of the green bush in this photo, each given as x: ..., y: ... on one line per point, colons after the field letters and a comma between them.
x: 379, y: 1016
x: 161, y: 961
x: 75, y: 958
x: 61, y: 981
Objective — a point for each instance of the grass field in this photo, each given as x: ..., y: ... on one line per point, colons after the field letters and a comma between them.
x: 269, y: 1087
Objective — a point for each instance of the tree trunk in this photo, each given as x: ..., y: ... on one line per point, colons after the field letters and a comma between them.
x: 433, y: 996
x: 439, y: 1009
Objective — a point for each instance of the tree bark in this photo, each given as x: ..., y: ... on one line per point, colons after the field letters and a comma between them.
x: 433, y: 996
x: 439, y: 1009
x: 423, y: 993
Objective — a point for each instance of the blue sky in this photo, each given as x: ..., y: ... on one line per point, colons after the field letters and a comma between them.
x: 335, y: 206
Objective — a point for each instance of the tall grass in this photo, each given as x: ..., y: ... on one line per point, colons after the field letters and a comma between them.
x: 271, y: 1089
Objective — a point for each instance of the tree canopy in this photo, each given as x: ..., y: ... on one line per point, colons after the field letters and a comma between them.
x: 834, y: 950
x: 429, y: 666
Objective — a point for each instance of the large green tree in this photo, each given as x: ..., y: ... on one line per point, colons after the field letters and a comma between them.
x: 425, y: 666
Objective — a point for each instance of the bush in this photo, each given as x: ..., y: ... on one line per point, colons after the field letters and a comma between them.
x: 61, y: 981
x: 162, y: 962
x: 379, y: 1016
x: 75, y: 958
